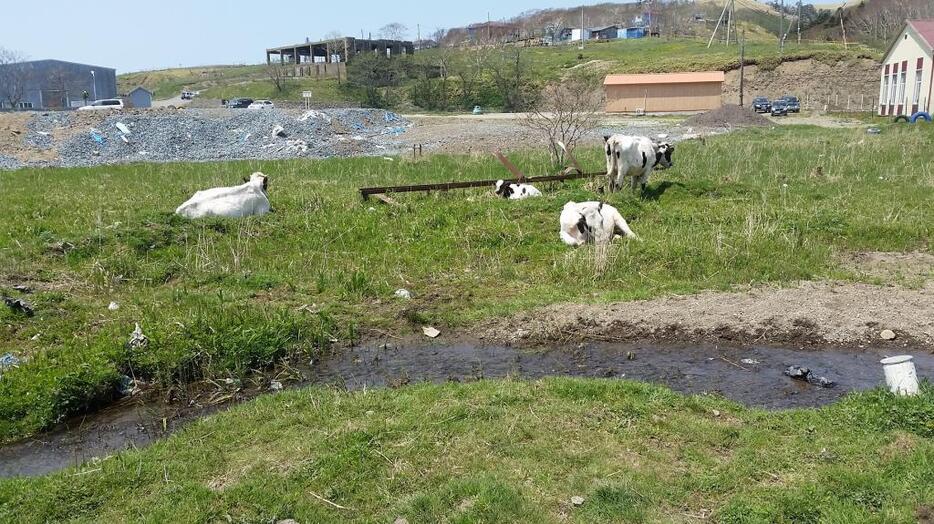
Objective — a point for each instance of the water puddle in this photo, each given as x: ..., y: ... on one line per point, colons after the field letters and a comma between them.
x: 753, y: 376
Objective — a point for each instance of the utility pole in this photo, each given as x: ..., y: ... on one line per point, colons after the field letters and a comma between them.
x: 489, y: 28
x: 582, y: 28
x: 719, y: 21
x: 742, y: 68
x: 799, y: 22
x: 843, y: 27
x: 729, y: 23
x: 781, y: 27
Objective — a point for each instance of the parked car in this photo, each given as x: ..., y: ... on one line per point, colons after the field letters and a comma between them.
x: 99, y: 105
x: 779, y: 108
x: 239, y: 103
x: 761, y: 105
x: 261, y: 104
x: 187, y: 95
x: 792, y: 104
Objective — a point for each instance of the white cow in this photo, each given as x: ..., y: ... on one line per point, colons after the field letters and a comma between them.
x: 635, y: 157
x: 233, y: 202
x: 513, y: 191
x: 592, y: 222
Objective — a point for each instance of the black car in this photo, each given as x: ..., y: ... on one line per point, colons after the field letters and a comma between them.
x: 792, y: 104
x: 761, y: 105
x: 779, y: 108
x: 239, y: 103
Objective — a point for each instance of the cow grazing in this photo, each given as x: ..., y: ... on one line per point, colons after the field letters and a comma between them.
x: 592, y: 222
x: 635, y: 157
x: 240, y: 201
x: 513, y: 191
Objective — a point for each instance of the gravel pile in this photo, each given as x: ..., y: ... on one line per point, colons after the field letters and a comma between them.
x: 7, y: 163
x: 40, y: 127
x: 208, y: 135
x: 729, y: 116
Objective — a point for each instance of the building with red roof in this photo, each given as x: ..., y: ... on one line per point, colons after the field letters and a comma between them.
x: 908, y: 71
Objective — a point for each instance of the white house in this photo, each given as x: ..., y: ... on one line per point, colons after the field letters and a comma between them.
x: 908, y: 71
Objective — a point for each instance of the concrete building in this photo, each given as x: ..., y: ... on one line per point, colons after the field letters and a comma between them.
x: 55, y: 84
x: 662, y: 93
x: 340, y: 50
x: 139, y: 98
x: 908, y: 71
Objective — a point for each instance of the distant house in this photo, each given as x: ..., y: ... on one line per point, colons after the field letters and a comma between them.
x: 55, y: 84
x: 906, y: 75
x: 632, y: 32
x: 139, y: 98
x: 610, y: 32
x: 668, y: 92
x: 425, y: 44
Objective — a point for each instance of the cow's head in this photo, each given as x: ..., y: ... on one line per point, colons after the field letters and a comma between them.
x: 261, y: 180
x: 663, y: 152
x: 504, y: 189
x: 608, y: 147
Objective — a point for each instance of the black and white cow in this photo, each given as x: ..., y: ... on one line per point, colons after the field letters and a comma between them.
x: 635, y: 157
x: 513, y: 191
x: 593, y: 223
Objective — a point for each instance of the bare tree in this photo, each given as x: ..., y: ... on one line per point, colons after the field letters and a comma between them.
x: 333, y: 35
x: 278, y: 74
x: 565, y: 112
x: 14, y: 75
x: 394, y: 31
x: 438, y: 35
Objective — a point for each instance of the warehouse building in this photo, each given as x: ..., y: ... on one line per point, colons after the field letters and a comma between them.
x: 663, y: 93
x: 54, y: 84
x: 339, y: 50
x: 908, y: 71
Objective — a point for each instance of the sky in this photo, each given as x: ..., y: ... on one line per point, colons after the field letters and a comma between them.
x: 137, y: 36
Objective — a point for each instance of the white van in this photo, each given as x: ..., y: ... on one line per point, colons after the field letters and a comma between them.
x: 97, y: 105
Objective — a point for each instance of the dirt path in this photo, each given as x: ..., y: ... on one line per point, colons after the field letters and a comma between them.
x: 811, y: 314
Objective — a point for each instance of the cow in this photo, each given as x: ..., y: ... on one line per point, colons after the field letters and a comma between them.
x: 248, y: 199
x: 593, y: 223
x: 513, y: 191
x: 635, y: 157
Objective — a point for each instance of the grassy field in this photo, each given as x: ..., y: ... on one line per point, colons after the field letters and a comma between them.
x: 220, y: 298
x: 512, y: 452
x: 545, y: 64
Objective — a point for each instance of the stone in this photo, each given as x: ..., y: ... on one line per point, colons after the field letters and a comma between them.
x: 577, y: 501
x: 888, y: 334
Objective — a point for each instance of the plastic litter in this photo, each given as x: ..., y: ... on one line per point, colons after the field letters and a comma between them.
x: 750, y: 361
x: 279, y: 131
x: 431, y: 332
x: 901, y: 375
x: 8, y: 361
x: 874, y: 131
x: 19, y: 305
x: 113, y: 306
x: 138, y: 340
x: 123, y: 128
x: 275, y: 385
x: 97, y: 136
x: 805, y: 375
x: 404, y: 294
x: 477, y: 110
x: 577, y: 501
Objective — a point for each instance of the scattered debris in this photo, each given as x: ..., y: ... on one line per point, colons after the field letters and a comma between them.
x: 750, y: 362
x: 128, y: 387
x: 314, y: 115
x: 19, y: 305
x: 888, y: 334
x: 630, y: 356
x: 400, y: 520
x: 729, y: 116
x: 874, y: 131
x: 279, y: 131
x: 113, y: 306
x: 404, y: 294
x: 26, y: 290
x: 431, y: 332
x: 805, y: 375
x: 138, y: 340
x: 275, y: 385
x: 8, y: 361
x: 577, y: 500
x: 122, y: 127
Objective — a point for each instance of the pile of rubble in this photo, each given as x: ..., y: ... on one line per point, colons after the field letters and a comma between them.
x: 210, y: 135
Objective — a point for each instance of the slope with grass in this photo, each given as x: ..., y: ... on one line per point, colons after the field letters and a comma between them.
x: 511, y: 452
x: 220, y: 298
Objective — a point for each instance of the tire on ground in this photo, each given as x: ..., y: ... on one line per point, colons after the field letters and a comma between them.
x: 920, y: 115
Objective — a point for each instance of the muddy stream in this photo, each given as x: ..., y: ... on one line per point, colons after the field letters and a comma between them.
x: 691, y: 369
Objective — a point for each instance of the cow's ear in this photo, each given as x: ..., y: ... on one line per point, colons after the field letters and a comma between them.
x: 246, y: 180
x: 606, y: 138
x: 265, y: 183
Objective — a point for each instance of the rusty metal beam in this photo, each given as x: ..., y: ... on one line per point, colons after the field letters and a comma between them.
x: 366, y: 192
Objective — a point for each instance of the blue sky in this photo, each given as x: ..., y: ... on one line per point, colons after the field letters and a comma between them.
x: 141, y: 35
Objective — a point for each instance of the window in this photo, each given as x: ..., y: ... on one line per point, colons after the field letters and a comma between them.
x: 885, y: 88
x: 24, y: 105
x: 893, y: 94
x: 902, y: 85
x: 917, y: 98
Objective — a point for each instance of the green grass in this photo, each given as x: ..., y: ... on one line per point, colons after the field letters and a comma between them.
x: 510, y: 451
x: 647, y: 55
x: 220, y: 298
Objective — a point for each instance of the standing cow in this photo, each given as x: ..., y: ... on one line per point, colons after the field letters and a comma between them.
x: 635, y: 157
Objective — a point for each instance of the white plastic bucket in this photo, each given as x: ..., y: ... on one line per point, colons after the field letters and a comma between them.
x: 901, y: 375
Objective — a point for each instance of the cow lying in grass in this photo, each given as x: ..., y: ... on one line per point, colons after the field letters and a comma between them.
x: 593, y: 223
x: 244, y: 200
x: 635, y: 157
x: 513, y: 191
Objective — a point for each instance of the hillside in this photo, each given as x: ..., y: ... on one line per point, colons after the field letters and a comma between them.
x: 870, y: 22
